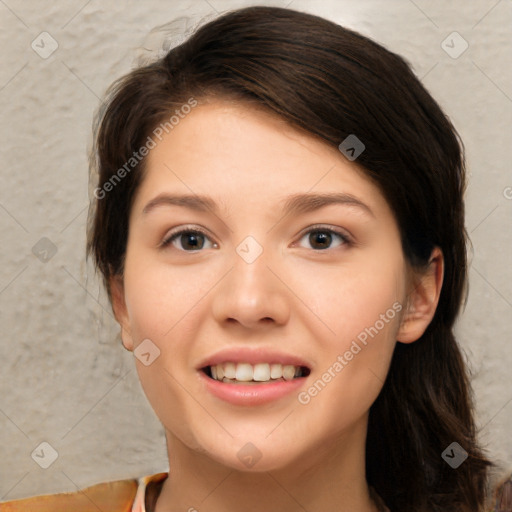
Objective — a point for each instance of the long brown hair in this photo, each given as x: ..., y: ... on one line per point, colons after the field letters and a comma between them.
x: 331, y: 82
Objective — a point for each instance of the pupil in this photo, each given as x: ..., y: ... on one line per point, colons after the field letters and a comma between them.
x: 320, y: 239
x: 192, y: 241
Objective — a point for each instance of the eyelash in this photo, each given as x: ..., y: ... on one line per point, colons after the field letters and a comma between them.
x: 345, y: 239
x: 173, y: 236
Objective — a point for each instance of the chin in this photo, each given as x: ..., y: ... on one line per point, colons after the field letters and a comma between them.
x: 252, y: 457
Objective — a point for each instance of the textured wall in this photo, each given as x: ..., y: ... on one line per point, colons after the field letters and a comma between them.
x: 65, y: 379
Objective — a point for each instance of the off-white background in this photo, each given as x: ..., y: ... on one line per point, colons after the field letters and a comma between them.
x: 65, y: 378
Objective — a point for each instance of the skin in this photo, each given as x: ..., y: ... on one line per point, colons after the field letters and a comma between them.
x: 295, y: 297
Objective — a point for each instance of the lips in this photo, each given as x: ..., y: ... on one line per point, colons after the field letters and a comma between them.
x: 252, y: 377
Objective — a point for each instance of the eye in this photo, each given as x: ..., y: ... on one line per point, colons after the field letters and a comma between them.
x: 320, y: 238
x: 188, y: 240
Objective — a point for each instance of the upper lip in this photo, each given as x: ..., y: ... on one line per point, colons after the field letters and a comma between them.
x: 252, y: 356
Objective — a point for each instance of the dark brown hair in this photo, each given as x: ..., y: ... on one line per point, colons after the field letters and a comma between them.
x: 332, y: 82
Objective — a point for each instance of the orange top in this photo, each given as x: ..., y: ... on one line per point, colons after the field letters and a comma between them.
x: 140, y: 495
x: 121, y: 496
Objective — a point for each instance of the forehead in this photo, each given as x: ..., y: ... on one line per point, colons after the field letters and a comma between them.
x: 240, y: 154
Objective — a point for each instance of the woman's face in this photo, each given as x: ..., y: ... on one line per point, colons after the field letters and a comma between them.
x: 259, y: 250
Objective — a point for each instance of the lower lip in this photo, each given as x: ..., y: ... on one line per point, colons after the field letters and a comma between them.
x: 253, y: 394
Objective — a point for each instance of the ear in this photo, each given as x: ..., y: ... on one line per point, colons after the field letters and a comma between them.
x: 120, y: 310
x: 422, y: 300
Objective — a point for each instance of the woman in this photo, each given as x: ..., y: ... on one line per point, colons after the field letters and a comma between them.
x: 279, y: 223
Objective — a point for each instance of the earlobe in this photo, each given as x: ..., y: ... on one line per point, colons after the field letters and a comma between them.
x: 120, y: 310
x: 422, y: 300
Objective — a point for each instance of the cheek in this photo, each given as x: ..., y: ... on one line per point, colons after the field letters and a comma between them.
x: 350, y: 299
x: 361, y: 304
x: 364, y: 313
x: 160, y: 296
x: 160, y: 302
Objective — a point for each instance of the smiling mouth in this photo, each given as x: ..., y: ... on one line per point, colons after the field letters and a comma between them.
x: 260, y: 373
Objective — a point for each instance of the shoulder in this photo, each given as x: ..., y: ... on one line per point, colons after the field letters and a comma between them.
x: 112, y: 496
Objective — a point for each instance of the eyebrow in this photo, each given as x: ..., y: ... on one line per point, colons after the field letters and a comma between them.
x: 296, y: 204
x: 304, y: 203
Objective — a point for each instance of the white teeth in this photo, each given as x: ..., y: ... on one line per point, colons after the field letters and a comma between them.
x: 276, y: 371
x: 243, y: 372
x: 288, y: 372
x: 260, y: 372
x: 229, y: 370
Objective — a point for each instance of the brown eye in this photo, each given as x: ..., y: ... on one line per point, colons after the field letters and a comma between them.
x: 321, y: 239
x: 191, y: 241
x: 188, y: 240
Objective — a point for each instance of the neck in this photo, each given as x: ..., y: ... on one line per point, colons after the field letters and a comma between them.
x: 327, y: 478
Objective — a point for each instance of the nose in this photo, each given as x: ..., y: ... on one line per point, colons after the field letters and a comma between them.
x: 251, y: 296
